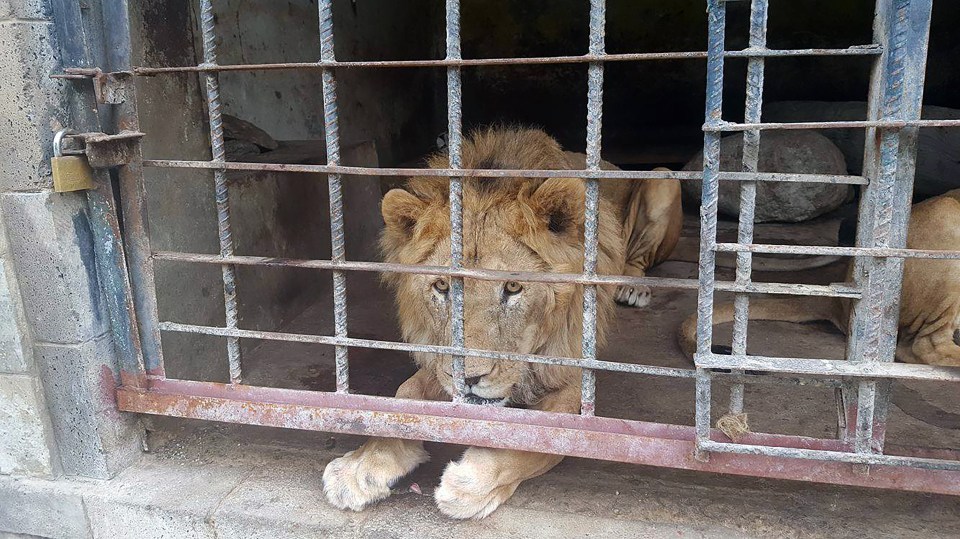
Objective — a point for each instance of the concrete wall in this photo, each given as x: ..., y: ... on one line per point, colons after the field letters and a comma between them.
x: 57, y: 363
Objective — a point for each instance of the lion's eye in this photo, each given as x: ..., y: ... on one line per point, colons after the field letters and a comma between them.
x: 512, y: 287
x: 441, y: 285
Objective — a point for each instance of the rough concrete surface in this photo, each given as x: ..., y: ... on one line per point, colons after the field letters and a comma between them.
x: 29, y: 98
x: 52, y: 247
x: 94, y: 439
x: 25, y: 435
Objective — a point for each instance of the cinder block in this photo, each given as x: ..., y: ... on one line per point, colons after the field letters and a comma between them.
x: 39, y: 508
x: 25, y: 10
x: 25, y: 434
x: 94, y: 439
x: 31, y: 104
x: 13, y: 354
x: 51, y: 245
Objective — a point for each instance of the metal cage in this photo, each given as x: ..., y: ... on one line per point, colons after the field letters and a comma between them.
x: 857, y: 457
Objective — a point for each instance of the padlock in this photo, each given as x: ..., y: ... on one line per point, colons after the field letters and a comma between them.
x: 70, y: 172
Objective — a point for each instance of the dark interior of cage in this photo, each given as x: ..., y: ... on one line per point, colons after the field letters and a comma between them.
x: 394, y: 117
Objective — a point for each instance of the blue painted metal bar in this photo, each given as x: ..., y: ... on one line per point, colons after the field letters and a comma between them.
x: 716, y: 21
x: 748, y: 190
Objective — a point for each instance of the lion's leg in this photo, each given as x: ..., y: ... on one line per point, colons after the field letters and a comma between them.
x: 365, y: 475
x: 653, y: 221
x: 942, y: 347
x: 482, y: 479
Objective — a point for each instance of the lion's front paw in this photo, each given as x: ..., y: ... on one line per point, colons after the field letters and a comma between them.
x: 633, y: 296
x: 468, y: 492
x: 362, y: 477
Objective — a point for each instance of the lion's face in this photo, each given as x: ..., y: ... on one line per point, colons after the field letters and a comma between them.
x: 509, y: 224
x: 506, y: 316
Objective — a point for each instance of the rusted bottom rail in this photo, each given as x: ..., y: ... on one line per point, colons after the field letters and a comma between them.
x: 636, y: 442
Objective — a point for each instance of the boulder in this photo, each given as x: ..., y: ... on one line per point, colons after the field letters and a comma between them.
x: 938, y: 148
x: 804, y: 152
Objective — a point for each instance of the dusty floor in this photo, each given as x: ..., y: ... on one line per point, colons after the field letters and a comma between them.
x: 682, y: 501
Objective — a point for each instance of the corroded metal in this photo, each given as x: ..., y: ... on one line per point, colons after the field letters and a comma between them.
x: 860, y: 50
x: 221, y: 192
x: 635, y: 442
x: 510, y: 173
x: 331, y: 131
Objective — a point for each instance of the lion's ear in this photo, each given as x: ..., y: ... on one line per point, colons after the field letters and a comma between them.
x: 559, y: 204
x: 401, y: 210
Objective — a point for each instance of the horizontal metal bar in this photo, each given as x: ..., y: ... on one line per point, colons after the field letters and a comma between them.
x: 428, y: 349
x: 852, y: 124
x: 637, y: 442
x: 839, y: 291
x: 838, y: 251
x: 862, y: 50
x: 832, y: 456
x: 833, y: 368
x: 507, y: 173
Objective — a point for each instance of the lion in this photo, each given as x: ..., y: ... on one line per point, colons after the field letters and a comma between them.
x: 515, y: 224
x: 929, y: 324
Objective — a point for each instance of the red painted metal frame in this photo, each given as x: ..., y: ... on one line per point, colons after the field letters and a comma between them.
x: 637, y: 442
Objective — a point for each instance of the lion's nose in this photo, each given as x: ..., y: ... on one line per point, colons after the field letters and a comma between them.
x: 473, y: 380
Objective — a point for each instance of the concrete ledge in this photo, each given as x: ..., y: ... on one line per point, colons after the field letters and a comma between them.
x: 227, y: 482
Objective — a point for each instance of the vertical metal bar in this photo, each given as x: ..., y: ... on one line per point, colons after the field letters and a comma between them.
x: 214, y: 107
x: 748, y: 190
x: 136, y: 234
x: 331, y: 132
x: 716, y: 20
x: 592, y: 202
x: 454, y: 142
x: 876, y: 315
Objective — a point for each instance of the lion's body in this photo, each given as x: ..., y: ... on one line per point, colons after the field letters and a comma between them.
x: 515, y: 224
x: 930, y: 297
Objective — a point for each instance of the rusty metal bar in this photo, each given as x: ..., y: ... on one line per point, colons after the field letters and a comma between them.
x: 880, y: 252
x: 568, y: 434
x: 508, y: 173
x: 716, y: 29
x: 454, y: 142
x: 833, y: 456
x: 222, y: 195
x: 427, y: 349
x: 331, y: 132
x: 588, y: 345
x: 830, y: 367
x: 838, y: 291
x: 748, y: 190
x: 857, y: 50
x: 851, y: 124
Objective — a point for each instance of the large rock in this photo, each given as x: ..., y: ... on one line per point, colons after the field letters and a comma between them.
x: 780, y: 151
x: 938, y: 148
